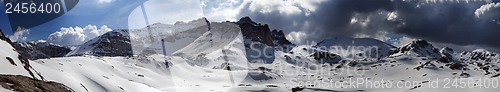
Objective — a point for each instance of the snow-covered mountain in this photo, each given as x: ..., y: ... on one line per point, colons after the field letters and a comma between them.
x: 114, y: 43
x: 147, y: 41
x: 40, y: 49
x: 419, y: 48
x: 144, y: 41
x: 208, y: 63
x: 248, y: 56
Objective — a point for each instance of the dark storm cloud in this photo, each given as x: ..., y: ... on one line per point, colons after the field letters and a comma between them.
x: 331, y: 19
x: 449, y: 23
x: 335, y: 17
x: 443, y: 22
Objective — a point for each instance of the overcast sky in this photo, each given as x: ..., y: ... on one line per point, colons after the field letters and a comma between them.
x: 460, y: 24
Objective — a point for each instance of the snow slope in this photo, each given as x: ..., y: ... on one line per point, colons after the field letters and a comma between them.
x: 13, y: 63
x: 215, y: 61
x: 17, y: 72
x: 91, y: 74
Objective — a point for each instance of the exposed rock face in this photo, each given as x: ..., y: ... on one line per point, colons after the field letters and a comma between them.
x: 255, y: 32
x: 40, y: 50
x: 261, y: 42
x: 113, y: 44
x: 262, y: 33
x: 279, y: 39
x: 25, y: 84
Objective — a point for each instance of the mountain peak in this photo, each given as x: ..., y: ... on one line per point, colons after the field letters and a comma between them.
x: 114, y: 43
x: 419, y: 47
x: 420, y: 43
x: 246, y: 20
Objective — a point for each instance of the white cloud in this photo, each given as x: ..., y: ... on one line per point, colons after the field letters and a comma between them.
x: 77, y: 35
x: 268, y: 6
x: 487, y: 8
x: 392, y: 16
x: 221, y: 10
x: 19, y: 35
x: 106, y: 1
x: 285, y: 7
x: 165, y: 11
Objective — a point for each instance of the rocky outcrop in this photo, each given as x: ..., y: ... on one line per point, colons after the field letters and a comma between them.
x: 262, y: 33
x: 113, y: 44
x: 261, y: 42
x: 279, y: 39
x: 255, y: 32
x: 20, y: 83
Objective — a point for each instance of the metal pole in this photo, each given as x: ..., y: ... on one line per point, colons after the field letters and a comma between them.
x: 163, y: 46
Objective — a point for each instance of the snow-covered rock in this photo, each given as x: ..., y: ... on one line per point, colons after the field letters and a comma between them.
x: 40, y: 49
x: 420, y: 48
x: 447, y: 52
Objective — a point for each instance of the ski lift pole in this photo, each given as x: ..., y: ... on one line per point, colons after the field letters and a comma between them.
x: 228, y: 68
x: 163, y: 47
